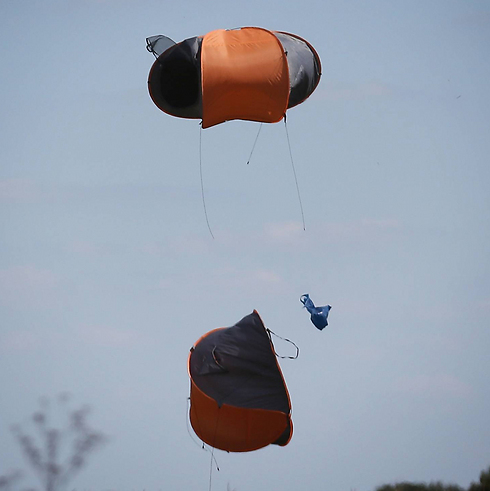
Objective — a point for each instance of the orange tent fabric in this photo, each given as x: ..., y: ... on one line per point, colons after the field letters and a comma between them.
x: 249, y: 73
x: 244, y: 76
x: 239, y: 400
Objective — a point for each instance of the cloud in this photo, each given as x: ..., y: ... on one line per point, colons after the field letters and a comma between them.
x: 479, y: 19
x: 93, y: 335
x: 266, y: 276
x: 437, y: 385
x: 283, y: 232
x: 343, y: 91
x: 98, y: 248
x: 19, y: 340
x: 292, y: 233
x: 227, y: 278
x: 107, y: 336
x: 232, y: 277
x: 365, y: 230
x: 17, y: 191
x: 26, y: 283
x: 484, y: 305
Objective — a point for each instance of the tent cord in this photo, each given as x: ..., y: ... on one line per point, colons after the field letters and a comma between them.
x: 187, y: 424
x: 255, y: 143
x: 294, y: 172
x: 269, y: 332
x: 212, y: 453
x: 203, y: 446
x: 202, y: 185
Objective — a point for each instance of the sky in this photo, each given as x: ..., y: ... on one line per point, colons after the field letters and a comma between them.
x: 108, y: 273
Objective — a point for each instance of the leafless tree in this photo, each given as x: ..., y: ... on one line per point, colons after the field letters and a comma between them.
x: 7, y: 480
x: 57, y: 455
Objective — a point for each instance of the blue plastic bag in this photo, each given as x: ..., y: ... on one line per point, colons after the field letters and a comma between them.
x: 318, y: 314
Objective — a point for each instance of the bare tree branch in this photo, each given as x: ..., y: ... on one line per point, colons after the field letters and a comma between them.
x: 54, y: 467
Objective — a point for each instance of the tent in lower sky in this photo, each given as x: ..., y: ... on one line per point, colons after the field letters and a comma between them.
x: 238, y: 397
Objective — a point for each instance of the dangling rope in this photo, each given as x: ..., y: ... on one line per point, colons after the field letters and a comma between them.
x: 213, y: 458
x: 202, y: 185
x: 269, y: 332
x: 212, y: 453
x: 211, y: 469
x: 188, y: 426
x: 294, y: 172
x: 255, y: 143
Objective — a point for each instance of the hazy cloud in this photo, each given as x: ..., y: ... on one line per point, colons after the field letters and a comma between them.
x: 26, y: 284
x: 19, y: 340
x: 331, y: 232
x: 228, y: 277
x: 107, y: 336
x: 286, y: 231
x: 474, y: 19
x: 17, y: 191
x: 93, y: 335
x: 344, y: 91
x: 436, y: 385
x: 484, y: 305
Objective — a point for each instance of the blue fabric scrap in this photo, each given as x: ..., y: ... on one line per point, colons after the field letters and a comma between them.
x: 318, y: 314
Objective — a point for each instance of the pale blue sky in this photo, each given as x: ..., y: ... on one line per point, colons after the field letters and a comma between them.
x: 108, y: 273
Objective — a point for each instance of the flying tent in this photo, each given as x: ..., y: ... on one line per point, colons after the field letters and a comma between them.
x: 248, y: 73
x: 238, y: 398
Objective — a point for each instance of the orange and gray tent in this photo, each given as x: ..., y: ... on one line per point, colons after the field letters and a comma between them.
x: 248, y: 73
x: 238, y: 397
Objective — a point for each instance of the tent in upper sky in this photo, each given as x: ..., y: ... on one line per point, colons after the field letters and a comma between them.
x: 238, y: 398
x: 248, y: 73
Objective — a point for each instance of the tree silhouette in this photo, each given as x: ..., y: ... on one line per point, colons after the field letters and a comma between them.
x: 410, y: 486
x: 46, y: 452
x: 484, y: 484
x: 7, y: 480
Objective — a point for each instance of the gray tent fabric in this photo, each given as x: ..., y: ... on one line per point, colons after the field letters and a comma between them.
x: 304, y: 67
x: 175, y: 79
x: 237, y: 366
x: 158, y: 44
